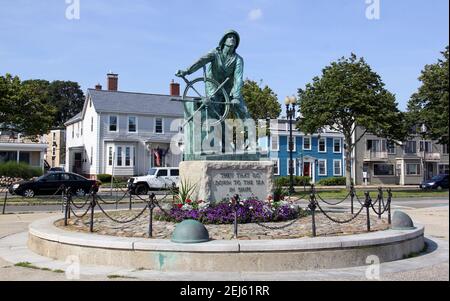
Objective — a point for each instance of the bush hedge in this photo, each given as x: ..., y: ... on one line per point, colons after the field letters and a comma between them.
x: 298, y: 181
x: 333, y: 181
x: 19, y: 170
x: 104, y: 178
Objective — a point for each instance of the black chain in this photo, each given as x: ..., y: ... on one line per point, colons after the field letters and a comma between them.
x: 122, y: 222
x: 80, y: 207
x: 334, y: 204
x: 338, y: 221
x: 80, y: 216
x: 278, y: 227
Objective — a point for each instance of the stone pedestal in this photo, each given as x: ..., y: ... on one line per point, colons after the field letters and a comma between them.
x: 218, y: 180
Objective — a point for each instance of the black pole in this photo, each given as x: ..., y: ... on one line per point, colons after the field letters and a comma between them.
x: 236, y: 204
x: 367, y: 204
x: 66, y: 208
x: 380, y: 197
x: 312, y: 207
x: 352, y: 197
x: 91, y: 226
x: 150, y: 222
x: 4, y: 202
x: 130, y: 200
x: 389, y: 205
x: 290, y: 112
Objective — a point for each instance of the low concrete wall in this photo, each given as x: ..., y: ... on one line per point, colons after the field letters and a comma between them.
x: 226, y: 256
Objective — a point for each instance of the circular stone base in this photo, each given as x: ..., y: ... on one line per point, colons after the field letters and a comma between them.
x: 224, y: 255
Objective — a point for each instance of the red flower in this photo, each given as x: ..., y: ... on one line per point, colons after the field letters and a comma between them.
x: 188, y: 201
x: 179, y: 206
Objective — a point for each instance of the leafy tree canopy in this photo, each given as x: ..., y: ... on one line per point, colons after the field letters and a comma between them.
x: 430, y: 104
x: 262, y: 103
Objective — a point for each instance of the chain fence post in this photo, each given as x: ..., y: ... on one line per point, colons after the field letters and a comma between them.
x: 68, y: 192
x: 151, y: 207
x: 312, y: 206
x: 389, y: 205
x: 4, y: 202
x: 352, y: 197
x: 130, y: 204
x: 66, y: 207
x: 380, y: 197
x: 91, y: 226
x: 367, y: 204
x: 236, y: 205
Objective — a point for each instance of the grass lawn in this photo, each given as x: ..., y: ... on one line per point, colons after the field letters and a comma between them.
x: 337, y: 194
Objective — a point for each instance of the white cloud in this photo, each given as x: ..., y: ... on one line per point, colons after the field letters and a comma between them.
x: 255, y: 14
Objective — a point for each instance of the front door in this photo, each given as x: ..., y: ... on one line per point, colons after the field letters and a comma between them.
x: 78, y: 163
x: 307, y: 169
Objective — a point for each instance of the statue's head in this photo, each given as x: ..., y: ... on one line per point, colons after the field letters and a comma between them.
x: 230, y: 38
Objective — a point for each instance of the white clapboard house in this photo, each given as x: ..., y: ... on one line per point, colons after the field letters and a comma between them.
x: 123, y: 133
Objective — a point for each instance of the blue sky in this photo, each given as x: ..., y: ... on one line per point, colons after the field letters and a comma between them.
x: 285, y: 43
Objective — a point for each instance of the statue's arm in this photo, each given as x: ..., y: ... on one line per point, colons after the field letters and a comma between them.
x: 236, y: 92
x: 207, y: 58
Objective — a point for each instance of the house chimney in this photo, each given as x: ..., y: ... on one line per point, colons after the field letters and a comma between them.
x: 98, y: 87
x: 174, y: 88
x: 113, y: 81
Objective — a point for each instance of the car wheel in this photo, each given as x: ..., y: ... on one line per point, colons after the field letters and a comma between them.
x: 80, y: 192
x: 141, y: 189
x: 28, y: 193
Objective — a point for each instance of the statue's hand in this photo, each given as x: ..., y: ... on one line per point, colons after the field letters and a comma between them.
x: 235, y: 101
x: 181, y: 73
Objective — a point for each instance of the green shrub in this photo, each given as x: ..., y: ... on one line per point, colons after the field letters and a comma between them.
x: 104, y: 178
x: 333, y: 181
x: 19, y: 170
x: 298, y: 181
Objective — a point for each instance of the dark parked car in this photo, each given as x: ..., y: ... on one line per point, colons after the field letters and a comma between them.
x: 437, y: 182
x: 50, y: 183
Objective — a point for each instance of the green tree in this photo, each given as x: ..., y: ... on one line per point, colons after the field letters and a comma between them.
x: 67, y: 98
x: 23, y: 106
x: 350, y: 94
x: 430, y: 104
x: 262, y: 103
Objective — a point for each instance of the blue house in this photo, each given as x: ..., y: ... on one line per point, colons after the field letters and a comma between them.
x: 317, y: 156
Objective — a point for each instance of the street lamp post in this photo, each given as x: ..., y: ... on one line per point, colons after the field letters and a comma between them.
x: 423, y: 131
x: 290, y: 102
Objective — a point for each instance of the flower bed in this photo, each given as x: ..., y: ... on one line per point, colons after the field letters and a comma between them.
x: 248, y: 211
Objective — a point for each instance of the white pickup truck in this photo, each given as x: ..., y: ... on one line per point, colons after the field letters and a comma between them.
x: 156, y: 178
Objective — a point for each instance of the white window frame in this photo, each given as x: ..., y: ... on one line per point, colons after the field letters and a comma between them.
x: 318, y: 145
x: 294, y: 141
x: 109, y: 123
x: 387, y: 148
x: 136, y: 122
x: 334, y: 168
x: 278, y: 166
x: 310, y: 143
x: 340, y: 145
x: 129, y: 157
x: 442, y: 164
x: 162, y: 125
x: 413, y: 174
x: 119, y: 153
x: 278, y: 143
x: 405, y: 148
x: 318, y: 167
x: 294, y: 163
x: 110, y: 155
